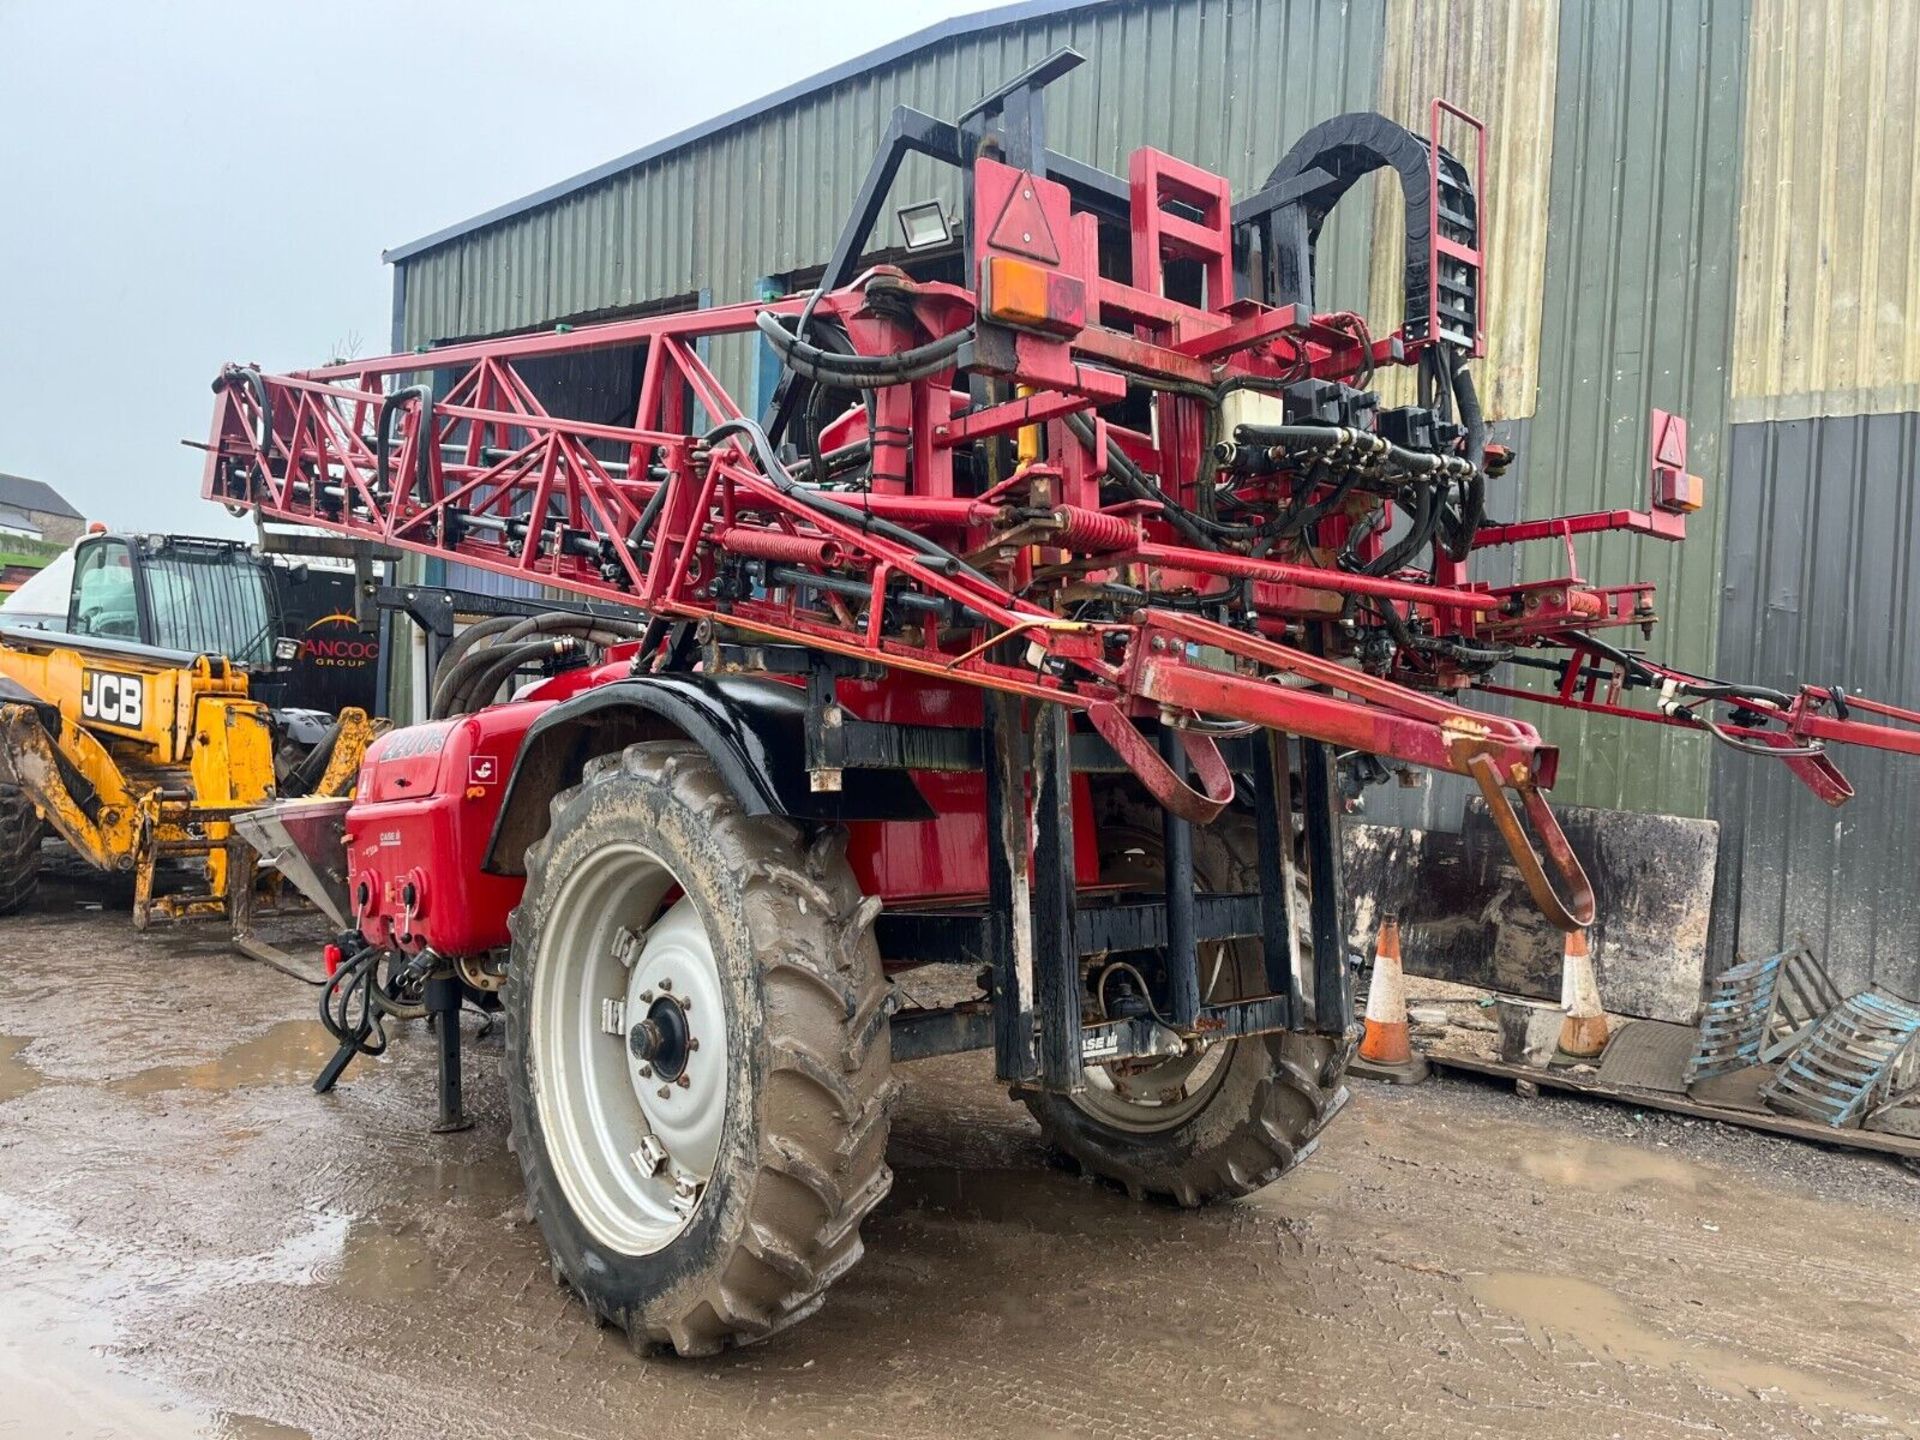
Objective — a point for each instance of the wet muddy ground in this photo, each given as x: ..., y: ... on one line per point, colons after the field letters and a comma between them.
x: 193, y: 1245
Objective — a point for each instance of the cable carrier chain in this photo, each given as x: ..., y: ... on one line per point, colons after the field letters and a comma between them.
x: 1118, y: 517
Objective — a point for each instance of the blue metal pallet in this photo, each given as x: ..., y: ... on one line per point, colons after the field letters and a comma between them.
x: 1759, y: 1010
x: 1851, y: 1064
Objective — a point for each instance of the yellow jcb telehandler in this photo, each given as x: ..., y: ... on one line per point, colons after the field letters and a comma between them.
x: 161, y: 704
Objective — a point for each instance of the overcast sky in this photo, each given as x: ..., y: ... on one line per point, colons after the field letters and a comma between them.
x: 185, y: 183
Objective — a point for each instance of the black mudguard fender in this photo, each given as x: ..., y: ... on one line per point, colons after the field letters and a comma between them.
x: 753, y: 730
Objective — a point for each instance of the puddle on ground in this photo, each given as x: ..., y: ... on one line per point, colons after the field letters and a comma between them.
x: 17, y: 1077
x: 233, y: 1426
x: 292, y: 1051
x: 376, y: 1264
x: 67, y: 1294
x: 483, y: 1179
x: 1603, y: 1323
x: 1578, y: 1164
x: 58, y: 1378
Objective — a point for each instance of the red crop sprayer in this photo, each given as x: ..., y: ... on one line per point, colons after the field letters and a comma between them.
x: 1025, y: 636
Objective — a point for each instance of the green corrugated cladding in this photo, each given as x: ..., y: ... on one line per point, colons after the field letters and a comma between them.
x: 1639, y: 313
x: 1226, y: 83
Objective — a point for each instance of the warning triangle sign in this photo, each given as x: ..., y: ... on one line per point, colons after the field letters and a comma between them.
x: 1022, y: 228
x: 1669, y: 441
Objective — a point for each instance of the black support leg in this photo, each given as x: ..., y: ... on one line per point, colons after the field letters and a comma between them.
x: 1056, y: 948
x: 1183, y: 970
x: 443, y: 1004
x: 1273, y: 818
x: 1332, y: 996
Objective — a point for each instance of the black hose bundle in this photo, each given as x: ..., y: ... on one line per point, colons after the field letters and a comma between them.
x: 1202, y: 530
x: 1459, y: 526
x: 355, y: 1005
x: 783, y: 481
x: 860, y: 372
x: 485, y: 656
x: 1300, y: 516
x: 1423, y: 509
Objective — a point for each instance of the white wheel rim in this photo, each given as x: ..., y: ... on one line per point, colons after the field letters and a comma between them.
x: 632, y: 1161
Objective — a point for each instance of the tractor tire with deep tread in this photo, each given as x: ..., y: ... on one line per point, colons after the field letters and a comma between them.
x: 21, y: 830
x: 801, y: 1148
x: 1272, y: 1095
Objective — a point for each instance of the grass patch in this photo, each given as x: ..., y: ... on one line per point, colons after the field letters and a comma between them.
x: 19, y: 550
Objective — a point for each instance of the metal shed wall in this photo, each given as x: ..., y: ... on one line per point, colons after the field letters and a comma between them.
x: 1823, y: 490
x: 1829, y: 311
x: 1823, y: 584
x: 1639, y: 298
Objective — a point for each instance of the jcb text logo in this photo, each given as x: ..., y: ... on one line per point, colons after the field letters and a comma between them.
x: 113, y: 699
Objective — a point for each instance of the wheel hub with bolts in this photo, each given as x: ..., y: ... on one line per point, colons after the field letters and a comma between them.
x: 676, y: 1046
x: 663, y: 1042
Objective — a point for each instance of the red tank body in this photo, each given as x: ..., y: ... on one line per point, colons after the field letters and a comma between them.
x: 418, y: 831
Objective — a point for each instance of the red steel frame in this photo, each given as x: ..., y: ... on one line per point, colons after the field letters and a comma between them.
x: 484, y: 473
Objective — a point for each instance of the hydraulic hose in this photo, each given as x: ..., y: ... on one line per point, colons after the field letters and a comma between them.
x: 1459, y: 528
x: 1425, y: 516
x: 783, y: 481
x: 383, y: 438
x: 823, y: 468
x: 1334, y: 437
x: 1200, y: 529
x: 1702, y: 688
x: 1297, y: 521
x: 493, y: 666
x: 458, y: 680
x: 481, y: 632
x: 860, y: 372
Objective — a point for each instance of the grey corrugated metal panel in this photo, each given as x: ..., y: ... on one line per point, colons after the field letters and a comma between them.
x: 487, y: 582
x: 1823, y: 584
x: 1200, y: 78
x: 1639, y: 279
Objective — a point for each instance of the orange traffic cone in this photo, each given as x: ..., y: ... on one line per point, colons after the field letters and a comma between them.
x: 1583, y: 1034
x: 1386, y: 1049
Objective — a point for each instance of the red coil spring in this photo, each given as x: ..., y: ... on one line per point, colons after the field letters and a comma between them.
x: 1094, y: 531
